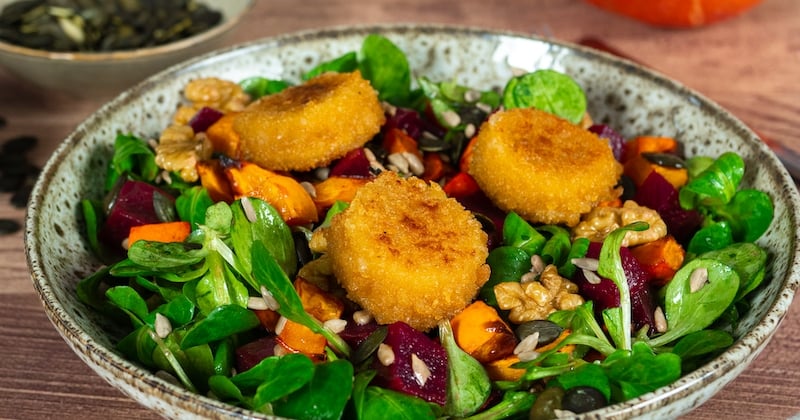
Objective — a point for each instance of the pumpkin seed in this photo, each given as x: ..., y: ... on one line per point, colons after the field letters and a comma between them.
x: 582, y: 399
x: 8, y: 226
x: 96, y: 25
x: 665, y: 159
x: 370, y: 346
x: 548, y: 331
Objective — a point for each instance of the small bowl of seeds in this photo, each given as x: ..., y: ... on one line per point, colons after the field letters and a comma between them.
x: 91, y: 48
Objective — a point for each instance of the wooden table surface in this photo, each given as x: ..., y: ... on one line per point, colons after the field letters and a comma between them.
x: 750, y: 65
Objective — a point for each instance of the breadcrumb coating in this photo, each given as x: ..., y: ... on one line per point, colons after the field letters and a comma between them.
x: 543, y: 167
x: 309, y: 125
x: 404, y: 251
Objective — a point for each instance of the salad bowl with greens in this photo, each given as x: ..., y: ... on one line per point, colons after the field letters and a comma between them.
x: 183, y: 326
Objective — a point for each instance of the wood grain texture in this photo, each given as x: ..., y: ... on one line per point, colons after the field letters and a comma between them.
x: 749, y: 65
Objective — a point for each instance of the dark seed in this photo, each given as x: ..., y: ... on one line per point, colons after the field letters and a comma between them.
x: 20, y: 197
x: 95, y: 25
x: 548, y: 330
x: 628, y: 187
x: 8, y: 226
x: 428, y: 144
x: 10, y: 183
x: 370, y: 345
x: 546, y: 403
x: 2, y: 121
x: 582, y: 399
x: 304, y: 255
x: 665, y: 159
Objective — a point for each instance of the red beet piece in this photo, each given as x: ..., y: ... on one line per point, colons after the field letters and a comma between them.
x: 399, y: 376
x: 250, y: 354
x: 407, y: 120
x: 606, y: 295
x: 354, y: 164
x: 354, y: 334
x: 133, y: 206
x: 204, y: 118
x: 481, y: 204
x: 658, y: 194
x: 615, y: 140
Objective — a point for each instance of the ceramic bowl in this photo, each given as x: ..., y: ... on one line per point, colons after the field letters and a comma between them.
x: 106, y: 74
x: 620, y: 93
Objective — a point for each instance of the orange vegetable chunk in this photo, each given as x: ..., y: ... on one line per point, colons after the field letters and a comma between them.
x: 268, y: 318
x: 501, y: 370
x: 297, y: 338
x: 284, y: 193
x: 320, y: 304
x: 482, y: 334
x: 677, y: 13
x: 463, y: 163
x: 336, y: 188
x: 213, y: 179
x: 638, y: 168
x: 660, y: 258
x: 397, y: 141
x: 435, y: 167
x: 648, y: 144
x: 160, y: 232
x: 223, y: 137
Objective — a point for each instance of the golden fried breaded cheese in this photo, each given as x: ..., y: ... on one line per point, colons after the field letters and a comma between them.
x: 543, y: 167
x: 309, y: 125
x: 404, y: 251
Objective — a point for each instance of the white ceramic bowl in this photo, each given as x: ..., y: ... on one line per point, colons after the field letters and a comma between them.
x: 109, y: 73
x: 620, y: 93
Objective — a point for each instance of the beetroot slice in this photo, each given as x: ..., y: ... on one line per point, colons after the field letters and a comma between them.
x: 658, y: 194
x: 399, y: 376
x: 355, y: 334
x: 615, y: 140
x: 407, y: 120
x: 133, y: 206
x: 481, y: 204
x: 354, y: 164
x: 204, y: 118
x: 252, y: 353
x: 606, y: 294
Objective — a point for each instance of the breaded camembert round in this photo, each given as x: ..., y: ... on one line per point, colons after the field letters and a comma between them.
x: 543, y: 167
x: 309, y: 125
x: 404, y: 251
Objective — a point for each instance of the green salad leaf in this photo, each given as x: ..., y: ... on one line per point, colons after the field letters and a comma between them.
x: 547, y: 90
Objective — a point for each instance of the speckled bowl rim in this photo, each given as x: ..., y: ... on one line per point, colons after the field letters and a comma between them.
x: 130, y: 55
x: 742, y: 352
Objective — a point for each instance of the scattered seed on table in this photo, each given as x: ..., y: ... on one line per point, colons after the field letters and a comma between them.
x: 8, y: 226
x: 20, y: 198
x: 19, y: 144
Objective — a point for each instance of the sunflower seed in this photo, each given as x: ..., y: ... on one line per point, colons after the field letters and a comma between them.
x: 590, y: 264
x: 421, y: 371
x: 249, y: 210
x: 385, y: 354
x: 698, y: 279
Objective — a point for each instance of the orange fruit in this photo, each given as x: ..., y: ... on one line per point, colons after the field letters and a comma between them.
x: 677, y: 13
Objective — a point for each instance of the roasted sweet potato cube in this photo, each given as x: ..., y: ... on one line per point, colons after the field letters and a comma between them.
x: 322, y: 305
x: 284, y: 193
x: 223, y: 137
x: 481, y: 333
x: 336, y: 188
x: 298, y: 338
x: 213, y: 179
x: 501, y: 370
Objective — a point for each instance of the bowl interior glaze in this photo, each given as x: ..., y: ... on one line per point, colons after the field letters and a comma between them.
x: 631, y: 99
